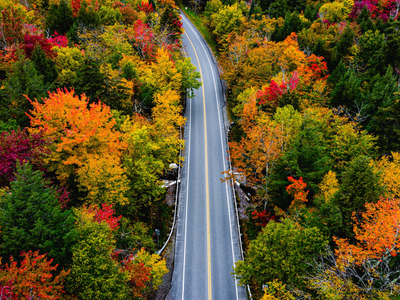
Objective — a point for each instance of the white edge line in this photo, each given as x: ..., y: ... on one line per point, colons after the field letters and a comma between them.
x: 222, y: 149
x: 187, y: 200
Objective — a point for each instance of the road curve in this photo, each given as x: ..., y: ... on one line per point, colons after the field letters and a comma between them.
x: 207, y: 241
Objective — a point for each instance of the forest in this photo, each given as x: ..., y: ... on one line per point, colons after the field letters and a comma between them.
x: 314, y: 100
x: 91, y: 101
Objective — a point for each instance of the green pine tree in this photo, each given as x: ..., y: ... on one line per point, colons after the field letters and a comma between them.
x: 364, y: 20
x: 346, y: 86
x: 45, y: 66
x: 359, y: 185
x: 251, y: 10
x: 23, y: 80
x: 88, y: 16
x: 89, y: 80
x: 94, y: 274
x: 342, y: 48
x: 31, y: 218
x: 59, y: 18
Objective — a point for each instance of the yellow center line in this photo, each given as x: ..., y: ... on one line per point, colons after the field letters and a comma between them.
x: 207, y: 188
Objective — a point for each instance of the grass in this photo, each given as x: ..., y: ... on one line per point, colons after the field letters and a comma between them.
x: 199, y: 22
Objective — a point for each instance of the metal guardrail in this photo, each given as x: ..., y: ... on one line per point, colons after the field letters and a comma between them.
x: 176, y: 197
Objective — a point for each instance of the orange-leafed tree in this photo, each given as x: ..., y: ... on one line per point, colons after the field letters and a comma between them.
x: 377, y: 233
x: 256, y: 154
x: 366, y: 269
x: 80, y: 132
x: 297, y: 190
x: 33, y: 279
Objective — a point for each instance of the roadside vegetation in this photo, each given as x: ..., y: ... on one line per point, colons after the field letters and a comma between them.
x: 91, y: 105
x: 198, y: 20
x: 313, y: 91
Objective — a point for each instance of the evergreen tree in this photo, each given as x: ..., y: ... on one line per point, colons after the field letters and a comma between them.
x: 342, y: 48
x: 45, y: 66
x: 372, y: 47
x: 346, y: 86
x: 89, y: 80
x: 88, y: 16
x: 359, y: 185
x: 292, y: 23
x: 251, y: 10
x: 22, y: 80
x: 364, y: 20
x: 94, y: 274
x: 31, y: 218
x: 384, y: 103
x: 59, y: 18
x: 393, y: 44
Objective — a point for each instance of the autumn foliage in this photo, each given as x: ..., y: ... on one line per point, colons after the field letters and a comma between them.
x: 19, y: 147
x: 33, y: 277
x: 376, y: 233
x: 297, y: 190
x: 96, y: 89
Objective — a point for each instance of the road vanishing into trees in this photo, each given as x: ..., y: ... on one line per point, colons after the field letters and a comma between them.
x: 207, y: 243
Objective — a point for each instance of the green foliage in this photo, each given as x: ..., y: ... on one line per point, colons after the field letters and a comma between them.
x: 364, y: 20
x: 31, y: 218
x: 359, y: 185
x: 45, y: 66
x: 94, y: 274
x: 134, y: 235
x: 372, y: 51
x: 23, y: 80
x: 346, y: 86
x: 323, y: 142
x: 393, y: 44
x: 87, y: 16
x: 109, y: 16
x: 68, y: 62
x: 281, y: 251
x: 89, y: 80
x: 292, y: 23
x: 9, y: 125
x: 342, y: 48
x: 228, y: 19
x: 189, y: 75
x: 59, y: 18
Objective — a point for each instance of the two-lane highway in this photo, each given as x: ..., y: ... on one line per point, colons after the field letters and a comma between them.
x: 207, y: 241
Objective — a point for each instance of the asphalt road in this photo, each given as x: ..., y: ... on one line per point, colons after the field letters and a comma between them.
x: 207, y: 241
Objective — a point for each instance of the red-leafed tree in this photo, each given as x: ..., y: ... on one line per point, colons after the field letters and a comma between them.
x: 146, y: 7
x: 274, y: 91
x: 33, y: 279
x: 58, y: 40
x: 138, y: 275
x: 30, y: 42
x: 11, y: 29
x: 19, y: 146
x: 104, y: 214
x: 383, y: 10
x: 262, y: 218
x: 76, y: 6
x: 6, y: 291
x: 141, y: 38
